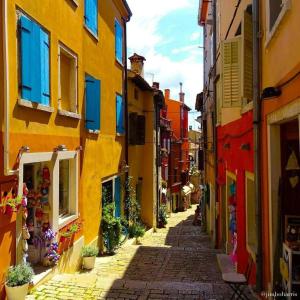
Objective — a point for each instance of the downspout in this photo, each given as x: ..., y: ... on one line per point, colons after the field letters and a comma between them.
x: 215, y: 117
x: 125, y: 88
x: 157, y: 161
x: 7, y: 171
x: 256, y: 132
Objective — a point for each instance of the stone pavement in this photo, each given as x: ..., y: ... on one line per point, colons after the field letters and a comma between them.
x: 176, y: 262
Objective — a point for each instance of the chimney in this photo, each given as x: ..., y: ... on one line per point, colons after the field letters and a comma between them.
x: 167, y: 94
x: 137, y: 64
x: 155, y: 85
x: 181, y: 94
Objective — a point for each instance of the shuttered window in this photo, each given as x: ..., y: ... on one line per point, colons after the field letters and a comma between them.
x: 141, y: 130
x: 119, y: 42
x: 92, y: 103
x: 91, y: 15
x: 120, y: 118
x: 231, y: 53
x: 247, y: 34
x: 137, y: 129
x: 34, y: 62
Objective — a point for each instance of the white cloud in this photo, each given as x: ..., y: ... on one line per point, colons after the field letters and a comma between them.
x: 144, y: 35
x: 195, y: 36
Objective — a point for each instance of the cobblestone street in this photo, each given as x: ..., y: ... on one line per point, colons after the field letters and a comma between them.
x: 176, y: 262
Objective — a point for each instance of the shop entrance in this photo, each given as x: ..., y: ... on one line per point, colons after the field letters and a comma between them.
x: 287, y: 255
x: 36, y: 186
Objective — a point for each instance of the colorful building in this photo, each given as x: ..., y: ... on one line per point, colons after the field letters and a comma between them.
x: 144, y: 103
x: 63, y: 136
x: 177, y: 113
x: 227, y: 108
x: 280, y: 161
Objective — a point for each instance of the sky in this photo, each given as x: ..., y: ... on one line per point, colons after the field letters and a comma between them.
x: 167, y: 34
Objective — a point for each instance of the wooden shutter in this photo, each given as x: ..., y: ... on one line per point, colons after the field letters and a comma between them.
x: 141, y: 130
x: 45, y: 68
x: 92, y: 103
x: 26, y: 59
x: 120, y: 114
x: 34, y: 61
x: 91, y: 15
x: 231, y: 72
x: 132, y: 128
x: 119, y: 41
x: 247, y: 63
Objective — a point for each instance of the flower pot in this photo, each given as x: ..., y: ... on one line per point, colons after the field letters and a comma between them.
x: 16, y: 292
x: 88, y: 262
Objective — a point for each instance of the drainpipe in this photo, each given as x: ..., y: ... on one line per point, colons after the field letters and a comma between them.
x: 157, y: 160
x: 215, y: 116
x: 256, y: 132
x: 7, y: 171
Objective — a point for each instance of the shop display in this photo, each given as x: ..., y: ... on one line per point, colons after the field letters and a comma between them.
x: 39, y: 244
x: 232, y: 221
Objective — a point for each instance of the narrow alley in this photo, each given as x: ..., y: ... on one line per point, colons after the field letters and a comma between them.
x: 176, y: 262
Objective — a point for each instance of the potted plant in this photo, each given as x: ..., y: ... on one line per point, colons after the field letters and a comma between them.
x: 89, y: 254
x: 17, y: 281
x: 162, y: 216
x: 111, y: 229
x: 136, y: 230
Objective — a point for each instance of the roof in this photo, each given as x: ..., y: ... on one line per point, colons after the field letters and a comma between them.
x: 139, y: 81
x: 128, y: 9
x: 203, y: 6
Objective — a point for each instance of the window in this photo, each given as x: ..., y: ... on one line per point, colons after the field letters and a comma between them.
x: 67, y: 80
x: 34, y: 62
x: 64, y: 188
x: 120, y: 114
x: 119, y: 42
x: 250, y: 215
x: 275, y: 9
x: 92, y: 103
x: 111, y: 192
x: 91, y: 16
x: 137, y: 129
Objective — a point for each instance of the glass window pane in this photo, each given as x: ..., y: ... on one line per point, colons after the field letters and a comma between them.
x: 64, y: 187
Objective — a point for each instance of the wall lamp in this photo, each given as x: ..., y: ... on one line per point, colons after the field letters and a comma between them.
x: 245, y: 147
x: 60, y: 148
x: 226, y: 146
x: 24, y: 149
x: 270, y: 92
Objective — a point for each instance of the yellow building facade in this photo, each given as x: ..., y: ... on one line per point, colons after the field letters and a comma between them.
x: 143, y: 138
x: 61, y: 73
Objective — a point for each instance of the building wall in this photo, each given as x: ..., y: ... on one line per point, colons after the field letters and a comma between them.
x: 275, y: 50
x: 43, y: 131
x: 142, y: 157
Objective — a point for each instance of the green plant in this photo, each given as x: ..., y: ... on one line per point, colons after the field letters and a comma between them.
x: 71, y: 230
x: 136, y: 230
x: 111, y: 228
x: 19, y: 275
x: 132, y: 205
x: 89, y: 251
x: 162, y: 215
x: 164, y: 184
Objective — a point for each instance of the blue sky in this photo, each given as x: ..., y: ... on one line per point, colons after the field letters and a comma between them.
x: 167, y: 34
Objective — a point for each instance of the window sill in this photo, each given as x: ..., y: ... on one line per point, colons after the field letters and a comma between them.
x: 75, y: 2
x: 270, y: 34
x: 94, y: 35
x: 37, y: 106
x: 247, y: 107
x: 120, y: 134
x: 69, y: 114
x: 93, y: 131
x: 62, y: 222
x: 120, y: 64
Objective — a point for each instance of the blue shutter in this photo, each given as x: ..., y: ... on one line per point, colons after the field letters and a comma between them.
x: 118, y: 197
x: 120, y: 114
x: 91, y: 15
x: 45, y: 70
x: 34, y: 62
x: 92, y: 104
x: 119, y: 41
x: 26, y: 36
